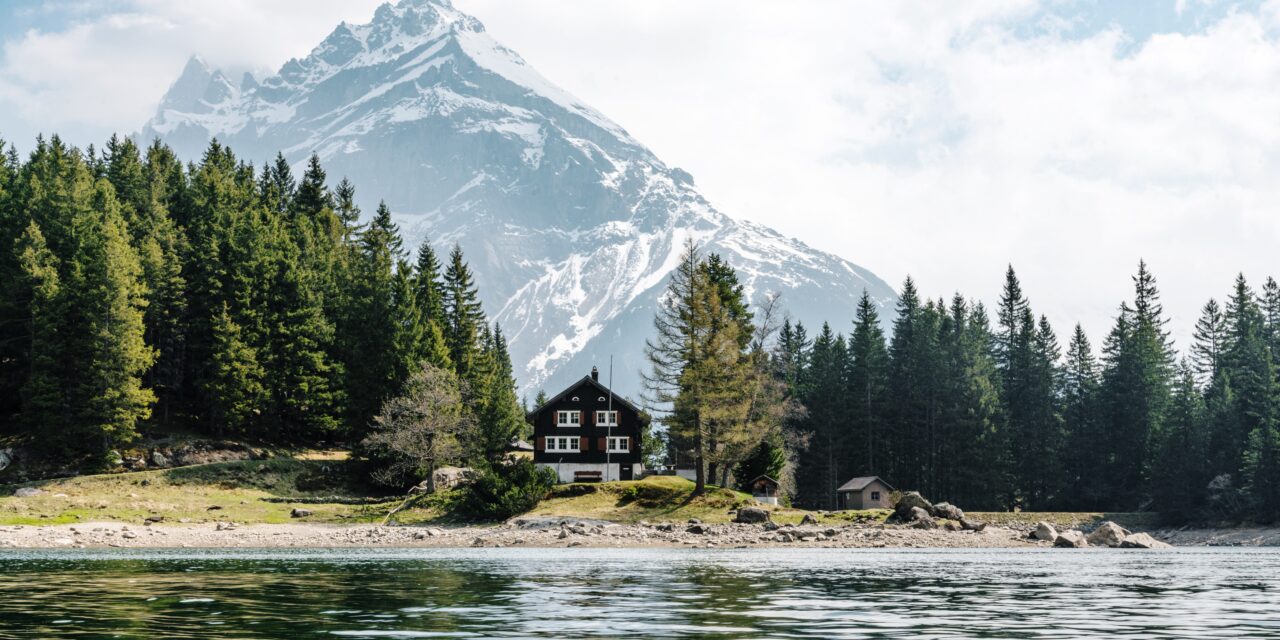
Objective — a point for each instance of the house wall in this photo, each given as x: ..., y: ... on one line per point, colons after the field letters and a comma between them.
x: 591, y: 397
x: 565, y: 470
x: 865, y: 496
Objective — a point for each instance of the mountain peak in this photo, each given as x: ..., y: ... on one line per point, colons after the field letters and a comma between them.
x: 571, y: 224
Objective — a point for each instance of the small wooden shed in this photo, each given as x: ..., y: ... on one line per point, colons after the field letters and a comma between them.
x: 867, y: 492
x: 764, y: 489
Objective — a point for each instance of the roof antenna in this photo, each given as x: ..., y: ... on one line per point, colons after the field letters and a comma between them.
x: 608, y: 439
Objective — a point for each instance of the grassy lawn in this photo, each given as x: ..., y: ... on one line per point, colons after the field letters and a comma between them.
x: 231, y: 491
x: 265, y: 491
x: 667, y: 498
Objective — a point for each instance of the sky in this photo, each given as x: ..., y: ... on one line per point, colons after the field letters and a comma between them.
x: 941, y: 140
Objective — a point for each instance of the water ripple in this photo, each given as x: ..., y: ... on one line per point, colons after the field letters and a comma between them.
x: 583, y: 593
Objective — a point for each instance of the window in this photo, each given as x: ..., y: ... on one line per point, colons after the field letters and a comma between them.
x: 575, y: 398
x: 600, y: 399
x: 568, y: 418
x: 606, y: 418
x: 619, y: 444
x: 875, y: 495
x: 563, y: 443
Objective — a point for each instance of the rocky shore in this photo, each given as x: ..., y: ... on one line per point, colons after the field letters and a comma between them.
x: 519, y: 532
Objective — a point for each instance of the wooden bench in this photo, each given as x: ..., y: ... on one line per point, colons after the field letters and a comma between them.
x: 586, y: 476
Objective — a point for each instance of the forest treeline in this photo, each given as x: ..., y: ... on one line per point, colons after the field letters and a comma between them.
x: 139, y: 295
x: 989, y: 413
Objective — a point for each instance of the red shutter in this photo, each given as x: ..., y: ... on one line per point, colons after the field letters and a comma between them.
x: 604, y: 444
x: 542, y: 443
x: 629, y: 441
x: 583, y: 443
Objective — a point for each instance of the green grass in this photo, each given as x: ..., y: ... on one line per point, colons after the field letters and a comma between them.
x: 204, y: 493
x: 1068, y: 519
x: 668, y: 499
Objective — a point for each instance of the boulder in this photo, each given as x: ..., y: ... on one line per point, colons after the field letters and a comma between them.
x: 1044, y: 531
x: 971, y: 525
x: 299, y: 513
x: 700, y: 529
x: 158, y: 460
x: 808, y: 519
x: 1070, y: 540
x: 908, y: 501
x: 770, y: 526
x: 27, y: 492
x: 751, y: 515
x: 951, y: 525
x: 920, y: 519
x: 1108, y: 534
x: 1143, y: 541
x: 6, y: 458
x: 948, y: 511
x: 451, y: 477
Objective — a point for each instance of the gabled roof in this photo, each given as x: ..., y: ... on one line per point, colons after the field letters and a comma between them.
x: 762, y: 477
x: 858, y: 484
x: 575, y: 386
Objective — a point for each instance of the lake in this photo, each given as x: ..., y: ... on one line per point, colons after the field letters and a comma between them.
x: 577, y: 593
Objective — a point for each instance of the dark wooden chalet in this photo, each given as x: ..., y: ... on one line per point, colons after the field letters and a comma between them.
x: 585, y: 433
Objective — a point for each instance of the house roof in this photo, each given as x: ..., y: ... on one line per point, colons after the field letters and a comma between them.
x: 594, y: 383
x: 858, y: 484
x: 762, y: 477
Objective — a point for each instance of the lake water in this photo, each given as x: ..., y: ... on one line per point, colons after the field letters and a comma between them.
x: 577, y: 593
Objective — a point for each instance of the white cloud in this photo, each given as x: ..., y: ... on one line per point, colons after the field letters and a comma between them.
x: 938, y: 139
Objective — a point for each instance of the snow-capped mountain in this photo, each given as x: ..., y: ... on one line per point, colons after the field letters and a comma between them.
x: 571, y: 224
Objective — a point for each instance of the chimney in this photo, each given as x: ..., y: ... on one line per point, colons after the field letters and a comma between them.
x: 595, y: 374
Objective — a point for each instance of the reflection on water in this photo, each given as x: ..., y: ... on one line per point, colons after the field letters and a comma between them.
x: 575, y: 593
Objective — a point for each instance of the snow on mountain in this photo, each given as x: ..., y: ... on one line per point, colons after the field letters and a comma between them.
x: 571, y: 224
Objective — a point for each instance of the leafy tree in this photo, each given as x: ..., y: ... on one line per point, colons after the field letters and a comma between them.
x: 420, y: 429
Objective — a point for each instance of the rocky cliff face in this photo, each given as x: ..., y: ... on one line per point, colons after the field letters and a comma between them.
x: 570, y: 223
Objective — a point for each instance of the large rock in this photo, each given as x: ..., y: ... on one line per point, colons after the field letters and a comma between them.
x: 451, y: 477
x: 920, y: 519
x: 6, y: 458
x: 27, y: 492
x: 972, y: 525
x: 158, y: 460
x: 752, y: 515
x: 1143, y: 541
x: 948, y: 511
x: 1070, y: 540
x: 808, y: 519
x: 299, y: 513
x: 1045, y: 531
x: 1108, y: 534
x: 908, y: 501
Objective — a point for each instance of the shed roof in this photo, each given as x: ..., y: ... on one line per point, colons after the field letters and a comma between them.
x: 858, y: 484
x: 762, y: 477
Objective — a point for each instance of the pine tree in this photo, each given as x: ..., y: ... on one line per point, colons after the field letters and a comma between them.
x: 1209, y: 341
x: 1137, y: 377
x: 45, y: 403
x: 500, y: 420
x: 1084, y: 451
x: 463, y: 316
x: 234, y: 385
x: 1181, y: 473
x: 824, y: 462
x: 868, y: 378
x: 109, y: 298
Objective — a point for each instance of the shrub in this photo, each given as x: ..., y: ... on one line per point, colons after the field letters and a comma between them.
x: 506, y: 489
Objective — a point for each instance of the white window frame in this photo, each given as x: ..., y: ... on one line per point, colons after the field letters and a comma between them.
x: 625, y: 441
x: 569, y: 418
x: 564, y: 444
x: 601, y: 422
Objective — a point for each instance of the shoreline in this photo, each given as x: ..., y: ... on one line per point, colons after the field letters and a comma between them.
x: 557, y: 532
